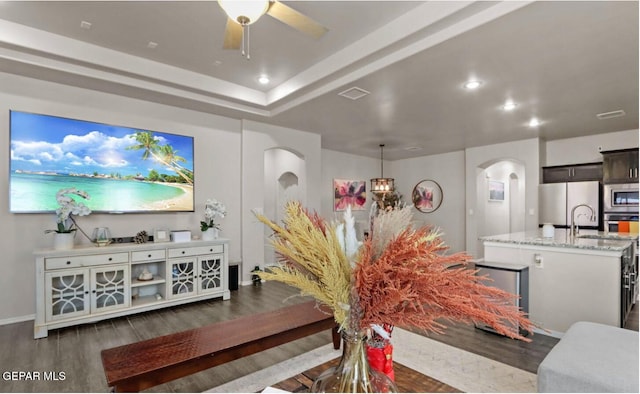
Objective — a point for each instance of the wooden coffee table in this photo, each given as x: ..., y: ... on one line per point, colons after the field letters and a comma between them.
x: 407, y: 380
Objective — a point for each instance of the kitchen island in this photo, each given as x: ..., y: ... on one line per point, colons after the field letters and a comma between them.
x: 571, y: 278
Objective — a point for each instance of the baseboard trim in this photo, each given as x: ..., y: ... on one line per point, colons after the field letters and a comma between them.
x: 18, y: 319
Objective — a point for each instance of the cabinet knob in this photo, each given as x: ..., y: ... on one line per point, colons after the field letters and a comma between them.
x: 183, y: 252
x: 110, y: 258
x: 211, y: 250
x: 68, y: 262
x: 94, y: 292
x: 149, y: 255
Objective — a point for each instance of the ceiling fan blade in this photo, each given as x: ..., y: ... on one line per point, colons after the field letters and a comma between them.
x: 232, y: 35
x: 298, y: 21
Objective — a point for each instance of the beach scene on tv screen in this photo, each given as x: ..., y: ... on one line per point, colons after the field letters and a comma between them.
x: 122, y: 169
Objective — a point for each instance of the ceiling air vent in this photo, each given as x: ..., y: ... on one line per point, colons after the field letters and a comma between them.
x: 354, y: 93
x: 612, y: 114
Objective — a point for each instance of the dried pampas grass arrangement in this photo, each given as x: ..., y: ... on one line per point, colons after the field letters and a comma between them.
x: 400, y: 276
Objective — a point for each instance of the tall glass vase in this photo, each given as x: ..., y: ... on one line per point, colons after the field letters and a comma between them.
x: 353, y: 374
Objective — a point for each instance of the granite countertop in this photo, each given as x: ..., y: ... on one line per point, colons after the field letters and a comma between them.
x: 586, y: 239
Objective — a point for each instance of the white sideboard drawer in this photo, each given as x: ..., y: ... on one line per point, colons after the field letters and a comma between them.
x: 53, y: 263
x: 148, y: 255
x: 197, y: 250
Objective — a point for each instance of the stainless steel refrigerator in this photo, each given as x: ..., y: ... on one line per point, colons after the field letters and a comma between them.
x: 557, y: 200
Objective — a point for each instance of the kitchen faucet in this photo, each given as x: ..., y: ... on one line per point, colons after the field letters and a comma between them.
x: 574, y: 227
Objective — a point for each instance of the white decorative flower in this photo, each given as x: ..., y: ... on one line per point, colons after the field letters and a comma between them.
x: 69, y: 207
x: 212, y: 210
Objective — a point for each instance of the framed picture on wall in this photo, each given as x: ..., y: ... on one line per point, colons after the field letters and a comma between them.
x: 347, y: 192
x: 496, y: 191
x: 427, y: 196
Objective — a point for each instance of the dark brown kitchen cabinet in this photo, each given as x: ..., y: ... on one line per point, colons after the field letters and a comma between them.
x: 620, y: 166
x: 572, y: 173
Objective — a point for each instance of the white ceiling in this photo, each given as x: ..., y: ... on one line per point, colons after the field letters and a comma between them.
x: 562, y: 62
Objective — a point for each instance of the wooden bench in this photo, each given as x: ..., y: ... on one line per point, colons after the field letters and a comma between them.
x: 141, y: 365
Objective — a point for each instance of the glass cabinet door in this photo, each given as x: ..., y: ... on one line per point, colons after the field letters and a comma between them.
x: 183, y: 277
x: 210, y: 274
x: 67, y: 294
x: 110, y: 288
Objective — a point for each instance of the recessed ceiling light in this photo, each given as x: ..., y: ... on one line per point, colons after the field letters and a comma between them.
x: 413, y: 148
x: 534, y: 122
x: 85, y: 25
x: 509, y: 106
x: 263, y: 79
x: 217, y: 62
x: 473, y: 84
x: 152, y: 45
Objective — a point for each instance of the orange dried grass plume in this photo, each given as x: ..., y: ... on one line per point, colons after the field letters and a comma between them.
x: 410, y: 284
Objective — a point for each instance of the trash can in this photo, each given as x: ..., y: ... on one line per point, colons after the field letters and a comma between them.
x: 510, y: 277
x: 233, y: 276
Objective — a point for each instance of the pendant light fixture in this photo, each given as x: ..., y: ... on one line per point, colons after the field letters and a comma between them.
x: 381, y: 186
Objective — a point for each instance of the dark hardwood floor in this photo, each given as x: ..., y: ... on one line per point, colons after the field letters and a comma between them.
x: 76, y: 350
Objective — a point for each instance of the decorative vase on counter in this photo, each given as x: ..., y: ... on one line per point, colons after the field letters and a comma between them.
x: 548, y: 231
x: 353, y: 373
x: 101, y: 236
x: 63, y: 241
x: 211, y: 234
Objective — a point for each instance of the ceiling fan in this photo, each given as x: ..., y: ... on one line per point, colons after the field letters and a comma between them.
x: 242, y: 13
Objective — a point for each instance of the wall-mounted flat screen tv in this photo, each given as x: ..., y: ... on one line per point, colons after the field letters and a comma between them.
x: 122, y: 169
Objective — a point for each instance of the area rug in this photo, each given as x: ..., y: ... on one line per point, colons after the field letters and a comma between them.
x: 463, y: 370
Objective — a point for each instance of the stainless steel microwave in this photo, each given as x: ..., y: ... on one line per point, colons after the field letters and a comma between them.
x: 621, y: 197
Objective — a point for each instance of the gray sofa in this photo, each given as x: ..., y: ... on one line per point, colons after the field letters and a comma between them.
x: 591, y: 358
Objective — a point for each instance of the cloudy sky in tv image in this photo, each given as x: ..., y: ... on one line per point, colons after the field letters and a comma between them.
x: 42, y: 143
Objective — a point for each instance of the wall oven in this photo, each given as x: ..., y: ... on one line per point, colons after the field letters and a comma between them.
x: 621, y: 198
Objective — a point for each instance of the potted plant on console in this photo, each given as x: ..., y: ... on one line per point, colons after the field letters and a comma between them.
x: 212, y: 209
x: 67, y: 226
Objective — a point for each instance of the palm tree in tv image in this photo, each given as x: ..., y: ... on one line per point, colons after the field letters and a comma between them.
x: 164, y: 154
x: 169, y: 155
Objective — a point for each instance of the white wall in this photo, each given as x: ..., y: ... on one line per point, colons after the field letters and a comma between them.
x: 338, y: 165
x: 587, y: 149
x: 449, y: 172
x: 446, y: 169
x: 256, y: 139
x: 217, y: 175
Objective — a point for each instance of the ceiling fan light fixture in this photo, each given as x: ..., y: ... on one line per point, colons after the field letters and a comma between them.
x: 245, y: 12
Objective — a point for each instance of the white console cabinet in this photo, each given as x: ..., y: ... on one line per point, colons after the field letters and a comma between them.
x: 88, y: 284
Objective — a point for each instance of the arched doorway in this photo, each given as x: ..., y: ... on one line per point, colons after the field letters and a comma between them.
x: 284, y: 181
x: 500, y: 198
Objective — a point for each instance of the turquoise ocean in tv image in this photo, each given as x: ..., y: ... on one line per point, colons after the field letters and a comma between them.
x: 37, y: 192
